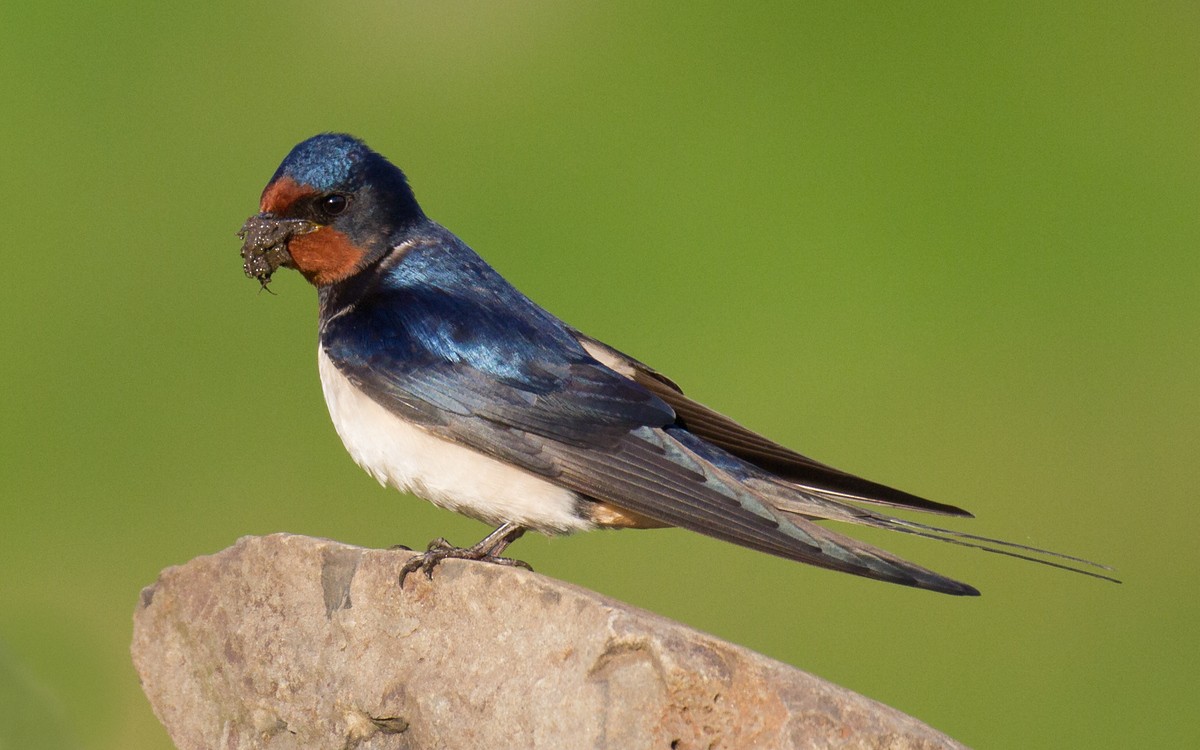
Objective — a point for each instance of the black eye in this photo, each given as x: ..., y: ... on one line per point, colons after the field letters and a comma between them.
x: 332, y: 205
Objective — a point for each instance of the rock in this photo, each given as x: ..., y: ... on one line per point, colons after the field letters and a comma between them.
x: 293, y: 642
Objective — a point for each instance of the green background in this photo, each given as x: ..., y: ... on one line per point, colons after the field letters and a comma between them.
x: 952, y: 247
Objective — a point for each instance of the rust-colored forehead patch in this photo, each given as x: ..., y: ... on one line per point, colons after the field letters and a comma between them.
x: 282, y: 194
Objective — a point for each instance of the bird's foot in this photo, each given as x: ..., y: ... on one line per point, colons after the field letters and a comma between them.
x: 487, y: 551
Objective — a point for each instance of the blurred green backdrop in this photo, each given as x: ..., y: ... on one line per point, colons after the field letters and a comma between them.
x: 951, y: 247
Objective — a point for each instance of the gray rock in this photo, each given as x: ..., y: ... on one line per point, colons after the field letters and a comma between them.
x: 293, y: 642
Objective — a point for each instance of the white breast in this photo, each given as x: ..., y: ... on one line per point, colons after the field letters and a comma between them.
x: 399, y: 454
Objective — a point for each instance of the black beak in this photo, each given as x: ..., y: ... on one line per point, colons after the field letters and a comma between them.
x: 264, y: 243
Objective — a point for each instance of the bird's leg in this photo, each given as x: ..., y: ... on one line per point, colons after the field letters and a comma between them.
x: 487, y: 550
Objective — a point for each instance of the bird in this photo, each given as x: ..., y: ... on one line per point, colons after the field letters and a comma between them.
x: 443, y: 380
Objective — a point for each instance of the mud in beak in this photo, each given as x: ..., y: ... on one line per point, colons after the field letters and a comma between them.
x: 264, y: 244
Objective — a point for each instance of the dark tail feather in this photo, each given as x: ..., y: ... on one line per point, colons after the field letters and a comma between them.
x: 975, y: 541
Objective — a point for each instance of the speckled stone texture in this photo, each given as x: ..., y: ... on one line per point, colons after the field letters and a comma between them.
x: 293, y: 642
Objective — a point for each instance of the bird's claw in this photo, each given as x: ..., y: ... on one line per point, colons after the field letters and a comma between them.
x: 440, y: 549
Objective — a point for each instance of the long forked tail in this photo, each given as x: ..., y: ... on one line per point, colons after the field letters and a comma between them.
x: 813, y: 504
x: 987, y: 544
x: 745, y: 505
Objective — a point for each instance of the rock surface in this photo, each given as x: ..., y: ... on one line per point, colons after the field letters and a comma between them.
x: 293, y: 642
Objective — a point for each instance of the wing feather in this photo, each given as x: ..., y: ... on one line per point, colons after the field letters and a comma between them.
x: 748, y: 445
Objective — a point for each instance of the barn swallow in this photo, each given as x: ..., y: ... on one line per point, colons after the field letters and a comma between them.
x: 445, y: 381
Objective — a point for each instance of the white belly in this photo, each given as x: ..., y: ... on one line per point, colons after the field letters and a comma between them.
x: 404, y: 456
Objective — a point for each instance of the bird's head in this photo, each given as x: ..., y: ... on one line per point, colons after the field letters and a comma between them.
x: 333, y: 207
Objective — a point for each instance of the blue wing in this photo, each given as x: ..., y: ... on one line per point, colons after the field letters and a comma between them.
x: 471, y: 348
x: 440, y: 339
